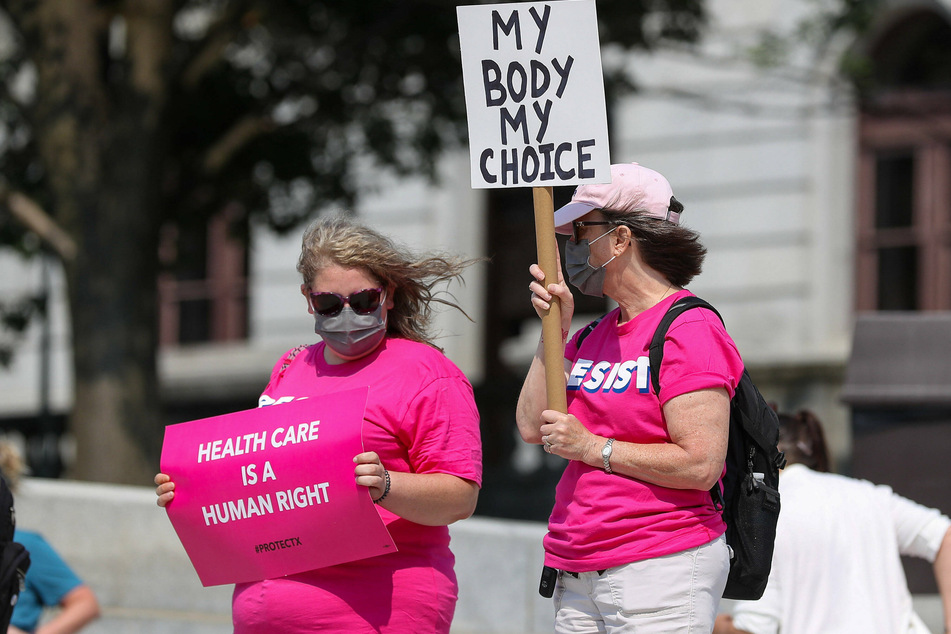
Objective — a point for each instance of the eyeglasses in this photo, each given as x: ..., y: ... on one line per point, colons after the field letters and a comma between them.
x: 362, y: 302
x: 581, y: 224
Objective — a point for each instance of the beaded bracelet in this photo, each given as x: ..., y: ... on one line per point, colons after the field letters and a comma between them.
x: 386, y: 488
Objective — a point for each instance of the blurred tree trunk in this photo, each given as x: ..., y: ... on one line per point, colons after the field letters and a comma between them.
x: 98, y: 139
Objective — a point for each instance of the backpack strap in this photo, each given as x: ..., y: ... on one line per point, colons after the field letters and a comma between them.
x: 657, y: 341
x: 587, y: 329
x: 656, y: 355
x: 289, y: 358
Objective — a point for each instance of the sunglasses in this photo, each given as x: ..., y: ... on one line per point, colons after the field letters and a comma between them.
x: 577, y: 225
x: 362, y: 302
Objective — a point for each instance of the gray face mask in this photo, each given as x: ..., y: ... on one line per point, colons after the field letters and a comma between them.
x: 351, y: 335
x: 581, y: 274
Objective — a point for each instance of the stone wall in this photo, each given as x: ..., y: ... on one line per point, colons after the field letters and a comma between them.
x: 124, y: 547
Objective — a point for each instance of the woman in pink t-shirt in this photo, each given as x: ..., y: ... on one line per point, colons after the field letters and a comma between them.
x: 423, y: 461
x: 634, y: 535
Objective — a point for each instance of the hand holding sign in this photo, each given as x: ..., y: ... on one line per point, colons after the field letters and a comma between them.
x: 536, y: 115
x: 269, y: 492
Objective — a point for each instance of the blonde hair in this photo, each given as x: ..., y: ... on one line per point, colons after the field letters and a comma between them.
x: 338, y: 239
x: 12, y: 465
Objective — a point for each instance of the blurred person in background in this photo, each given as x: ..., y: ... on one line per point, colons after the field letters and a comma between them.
x: 837, y: 559
x: 50, y: 582
x: 371, y: 301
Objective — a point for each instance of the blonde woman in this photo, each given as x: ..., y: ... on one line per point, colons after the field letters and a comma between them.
x: 371, y: 304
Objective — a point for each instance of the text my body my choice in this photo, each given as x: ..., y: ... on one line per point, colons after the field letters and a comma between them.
x: 535, y: 161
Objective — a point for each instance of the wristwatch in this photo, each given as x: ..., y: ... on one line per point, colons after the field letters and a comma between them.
x: 606, y: 455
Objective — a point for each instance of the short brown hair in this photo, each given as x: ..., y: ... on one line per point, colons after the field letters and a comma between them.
x: 802, y: 440
x: 672, y: 250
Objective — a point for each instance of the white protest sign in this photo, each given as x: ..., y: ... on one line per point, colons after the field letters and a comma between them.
x: 534, y: 94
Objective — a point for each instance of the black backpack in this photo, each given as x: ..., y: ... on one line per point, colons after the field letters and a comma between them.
x: 750, y: 496
x: 14, y: 558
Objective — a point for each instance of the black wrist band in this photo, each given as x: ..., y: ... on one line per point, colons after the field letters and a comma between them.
x: 386, y: 488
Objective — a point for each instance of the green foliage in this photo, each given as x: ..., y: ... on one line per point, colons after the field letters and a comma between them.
x: 333, y: 85
x: 273, y: 107
x: 826, y: 20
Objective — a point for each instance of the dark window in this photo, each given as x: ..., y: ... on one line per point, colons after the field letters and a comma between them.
x: 894, y: 188
x: 903, y: 246
x: 898, y: 278
x: 203, y: 289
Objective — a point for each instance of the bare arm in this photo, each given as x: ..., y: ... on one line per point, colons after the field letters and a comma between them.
x: 78, y: 608
x: 431, y: 499
x: 697, y: 422
x: 533, y: 399
x: 942, y: 573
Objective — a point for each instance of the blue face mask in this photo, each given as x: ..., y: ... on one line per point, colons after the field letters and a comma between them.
x: 351, y: 335
x: 586, y: 278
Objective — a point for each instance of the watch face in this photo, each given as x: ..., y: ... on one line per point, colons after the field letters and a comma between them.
x: 606, y: 455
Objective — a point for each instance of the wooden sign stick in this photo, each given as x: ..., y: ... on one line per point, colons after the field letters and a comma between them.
x: 554, y: 343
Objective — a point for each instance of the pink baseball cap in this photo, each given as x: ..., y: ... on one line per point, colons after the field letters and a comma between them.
x: 633, y: 188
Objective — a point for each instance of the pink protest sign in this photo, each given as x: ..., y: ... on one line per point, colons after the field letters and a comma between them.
x: 270, y: 492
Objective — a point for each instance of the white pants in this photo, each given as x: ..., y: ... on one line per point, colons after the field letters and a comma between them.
x: 674, y: 593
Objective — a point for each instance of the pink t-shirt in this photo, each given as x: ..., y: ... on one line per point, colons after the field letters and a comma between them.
x: 603, y: 520
x: 421, y: 418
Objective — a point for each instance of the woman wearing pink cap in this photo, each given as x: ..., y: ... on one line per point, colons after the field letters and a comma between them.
x: 634, y: 535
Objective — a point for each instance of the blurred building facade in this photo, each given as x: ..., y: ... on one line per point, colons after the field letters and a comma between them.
x: 817, y: 202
